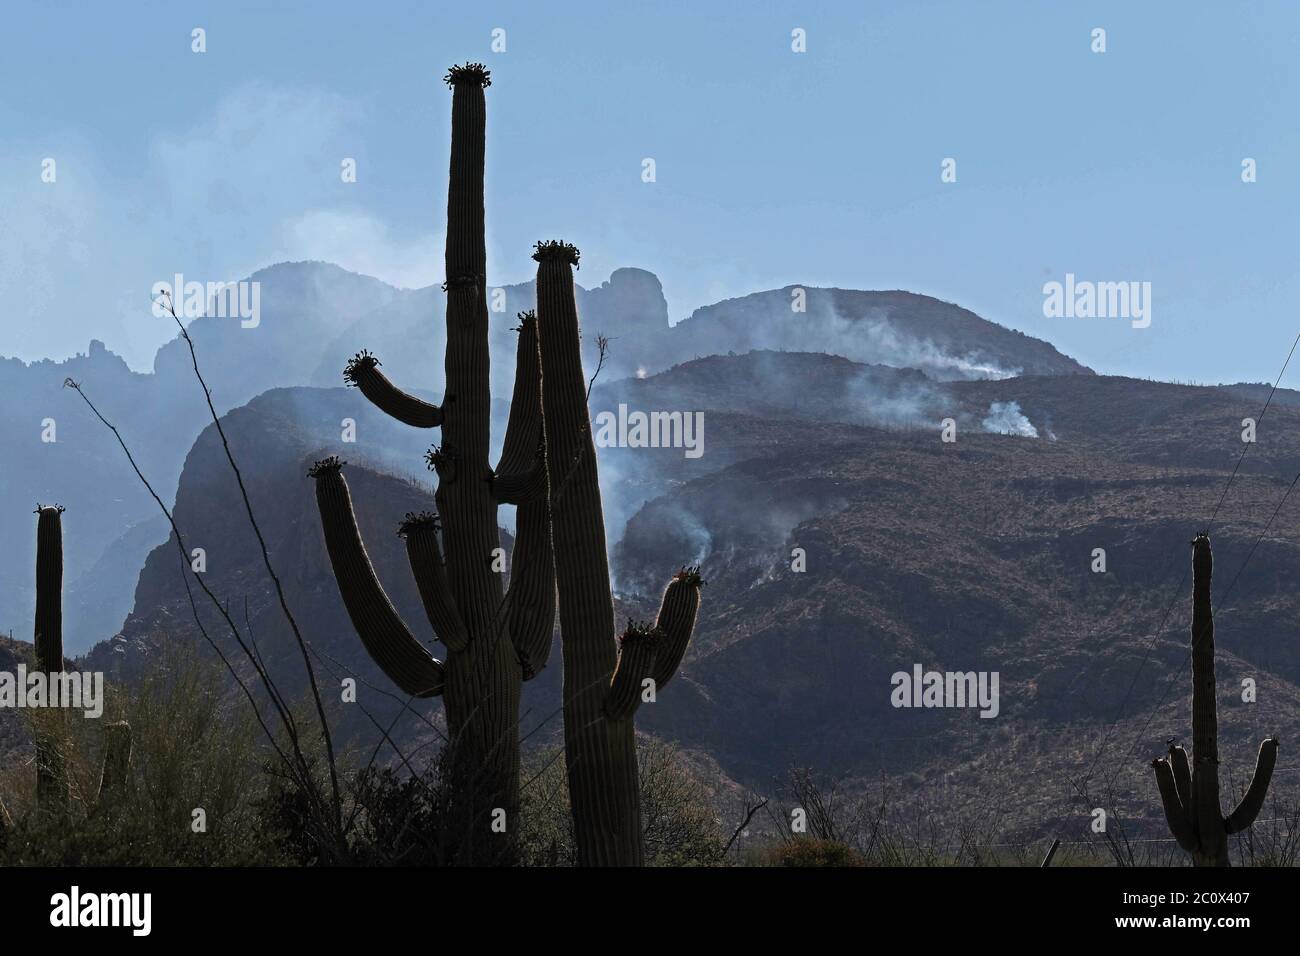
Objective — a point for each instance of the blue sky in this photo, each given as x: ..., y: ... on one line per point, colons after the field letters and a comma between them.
x: 773, y: 167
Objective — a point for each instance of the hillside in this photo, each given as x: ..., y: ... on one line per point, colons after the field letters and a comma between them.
x: 313, y: 317
x: 970, y: 556
x: 902, y: 329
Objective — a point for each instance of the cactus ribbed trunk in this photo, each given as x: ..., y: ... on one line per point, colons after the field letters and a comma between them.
x: 1204, y: 811
x: 600, y: 752
x: 494, y: 640
x: 48, y: 631
x: 52, y: 793
x: 482, y: 694
x: 1191, y: 797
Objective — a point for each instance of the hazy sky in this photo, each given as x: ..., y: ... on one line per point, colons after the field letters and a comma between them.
x: 773, y: 167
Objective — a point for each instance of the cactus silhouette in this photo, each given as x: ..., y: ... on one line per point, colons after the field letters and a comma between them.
x: 495, y: 639
x: 1191, y: 795
x: 51, y: 777
x: 603, y: 685
x: 53, y: 792
x: 117, y: 762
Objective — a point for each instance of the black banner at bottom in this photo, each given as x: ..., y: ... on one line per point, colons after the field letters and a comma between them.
x: 337, y: 905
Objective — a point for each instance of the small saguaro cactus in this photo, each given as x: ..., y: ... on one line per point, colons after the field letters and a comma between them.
x: 1191, y: 795
x: 494, y: 638
x: 51, y: 778
x: 48, y: 631
x: 603, y: 685
x: 117, y: 763
x: 53, y: 791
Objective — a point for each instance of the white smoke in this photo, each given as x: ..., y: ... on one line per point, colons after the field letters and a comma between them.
x: 1005, y: 418
x: 884, y: 344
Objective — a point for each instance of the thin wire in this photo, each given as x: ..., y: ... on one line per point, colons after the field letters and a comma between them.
x: 1169, y: 609
x: 1245, y: 446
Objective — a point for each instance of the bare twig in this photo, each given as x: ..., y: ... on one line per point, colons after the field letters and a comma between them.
x: 750, y: 810
x: 270, y: 570
x: 602, y: 343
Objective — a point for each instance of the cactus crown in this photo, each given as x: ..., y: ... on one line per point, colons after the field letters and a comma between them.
x: 468, y: 73
x: 363, y: 361
x: 40, y: 507
x: 439, y: 458
x: 556, y: 250
x: 638, y: 631
x: 690, y: 575
x: 326, y: 466
x: 418, y: 521
x: 526, y: 319
x: 1202, y: 559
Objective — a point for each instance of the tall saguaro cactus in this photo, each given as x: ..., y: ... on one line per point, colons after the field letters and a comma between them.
x: 602, y: 686
x: 51, y: 778
x: 494, y: 639
x: 1191, y: 796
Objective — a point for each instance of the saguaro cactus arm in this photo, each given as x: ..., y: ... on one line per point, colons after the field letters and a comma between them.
x: 421, y: 534
x: 382, y: 631
x: 529, y: 605
x: 1253, y: 801
x: 362, y: 371
x: 521, y: 473
x: 1176, y: 812
x: 520, y: 478
x: 1182, y: 776
x: 677, y: 613
x: 637, y: 649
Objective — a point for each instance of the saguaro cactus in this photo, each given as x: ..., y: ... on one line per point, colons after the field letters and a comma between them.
x: 1191, y: 796
x: 48, y: 632
x: 117, y: 763
x: 52, y: 786
x: 494, y: 640
x: 602, y: 686
x: 51, y: 778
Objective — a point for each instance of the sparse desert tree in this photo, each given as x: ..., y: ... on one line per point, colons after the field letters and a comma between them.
x: 1191, y: 795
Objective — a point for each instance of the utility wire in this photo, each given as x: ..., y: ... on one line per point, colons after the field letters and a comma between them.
x: 1169, y: 609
